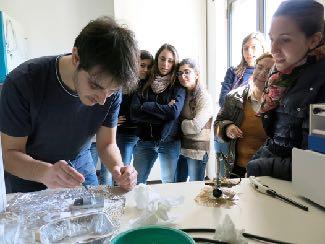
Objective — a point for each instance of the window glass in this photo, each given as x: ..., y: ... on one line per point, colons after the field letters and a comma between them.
x: 243, y: 22
x: 270, y: 7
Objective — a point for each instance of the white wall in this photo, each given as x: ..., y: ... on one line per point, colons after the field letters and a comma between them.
x: 51, y: 26
x: 216, y: 47
x: 181, y: 23
x: 216, y: 60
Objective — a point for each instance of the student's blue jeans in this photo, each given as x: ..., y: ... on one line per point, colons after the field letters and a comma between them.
x: 83, y: 163
x: 105, y: 177
x: 221, y: 147
x: 126, y: 144
x: 146, y: 153
x: 192, y: 168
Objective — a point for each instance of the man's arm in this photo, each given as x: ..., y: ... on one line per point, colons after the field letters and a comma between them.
x: 18, y: 163
x: 109, y: 153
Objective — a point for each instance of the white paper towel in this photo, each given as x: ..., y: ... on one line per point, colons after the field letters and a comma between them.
x: 227, y: 232
x: 3, y: 199
x: 155, y: 209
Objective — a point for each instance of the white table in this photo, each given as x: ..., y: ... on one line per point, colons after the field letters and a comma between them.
x: 255, y: 212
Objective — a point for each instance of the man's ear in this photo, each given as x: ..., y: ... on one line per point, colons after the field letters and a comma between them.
x: 314, y: 40
x: 75, y: 57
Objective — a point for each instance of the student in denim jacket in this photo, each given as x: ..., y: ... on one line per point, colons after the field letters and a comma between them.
x: 253, y: 46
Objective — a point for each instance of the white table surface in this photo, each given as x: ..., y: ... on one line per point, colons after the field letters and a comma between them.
x: 255, y: 212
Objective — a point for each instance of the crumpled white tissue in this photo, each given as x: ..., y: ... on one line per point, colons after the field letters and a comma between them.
x: 156, y: 210
x: 227, y: 232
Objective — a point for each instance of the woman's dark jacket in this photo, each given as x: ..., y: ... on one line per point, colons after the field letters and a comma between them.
x: 158, y: 121
x: 129, y: 127
x: 227, y: 84
x: 232, y: 81
x: 288, y: 124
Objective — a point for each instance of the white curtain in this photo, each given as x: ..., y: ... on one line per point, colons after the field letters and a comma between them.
x: 3, y: 201
x: 15, y: 43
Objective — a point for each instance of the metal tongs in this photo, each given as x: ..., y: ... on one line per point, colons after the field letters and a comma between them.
x: 245, y: 234
x: 83, y: 184
x: 257, y: 185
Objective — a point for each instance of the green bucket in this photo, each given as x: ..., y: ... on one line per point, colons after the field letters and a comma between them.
x: 153, y: 235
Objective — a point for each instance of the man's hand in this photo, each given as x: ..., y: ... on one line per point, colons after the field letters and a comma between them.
x: 233, y: 132
x: 61, y: 175
x: 125, y: 177
x: 121, y: 120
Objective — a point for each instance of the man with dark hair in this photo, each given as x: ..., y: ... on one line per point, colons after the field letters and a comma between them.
x: 126, y: 138
x: 52, y: 106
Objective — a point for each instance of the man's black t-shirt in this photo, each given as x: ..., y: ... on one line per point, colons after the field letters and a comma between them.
x: 36, y: 103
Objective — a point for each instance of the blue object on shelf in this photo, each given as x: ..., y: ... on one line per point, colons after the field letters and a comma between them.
x: 316, y: 143
x: 3, y: 54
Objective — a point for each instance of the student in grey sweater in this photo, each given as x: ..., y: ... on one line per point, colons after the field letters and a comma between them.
x: 196, y: 120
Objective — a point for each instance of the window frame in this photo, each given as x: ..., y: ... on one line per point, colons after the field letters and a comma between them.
x: 260, y: 24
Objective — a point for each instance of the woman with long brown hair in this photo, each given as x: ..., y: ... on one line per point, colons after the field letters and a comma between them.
x: 156, y: 109
x: 253, y: 46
